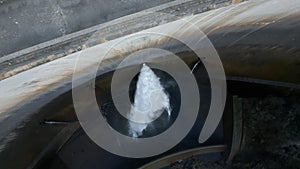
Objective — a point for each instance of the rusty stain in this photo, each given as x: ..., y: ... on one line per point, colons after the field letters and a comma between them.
x: 236, y: 1
x: 119, y: 53
x: 103, y: 40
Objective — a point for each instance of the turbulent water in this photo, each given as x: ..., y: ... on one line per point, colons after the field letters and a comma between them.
x: 150, y: 101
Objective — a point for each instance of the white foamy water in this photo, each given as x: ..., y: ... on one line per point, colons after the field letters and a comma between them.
x: 150, y: 101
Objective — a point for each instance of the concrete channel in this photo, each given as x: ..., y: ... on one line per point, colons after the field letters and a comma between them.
x: 251, y: 39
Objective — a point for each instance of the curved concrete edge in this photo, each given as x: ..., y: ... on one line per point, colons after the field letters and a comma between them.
x: 35, y: 83
x: 48, y: 51
x: 165, y: 161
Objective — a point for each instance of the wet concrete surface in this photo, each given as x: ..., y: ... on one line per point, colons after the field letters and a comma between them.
x: 24, y: 23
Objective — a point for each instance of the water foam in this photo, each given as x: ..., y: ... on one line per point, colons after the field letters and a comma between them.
x: 150, y: 101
